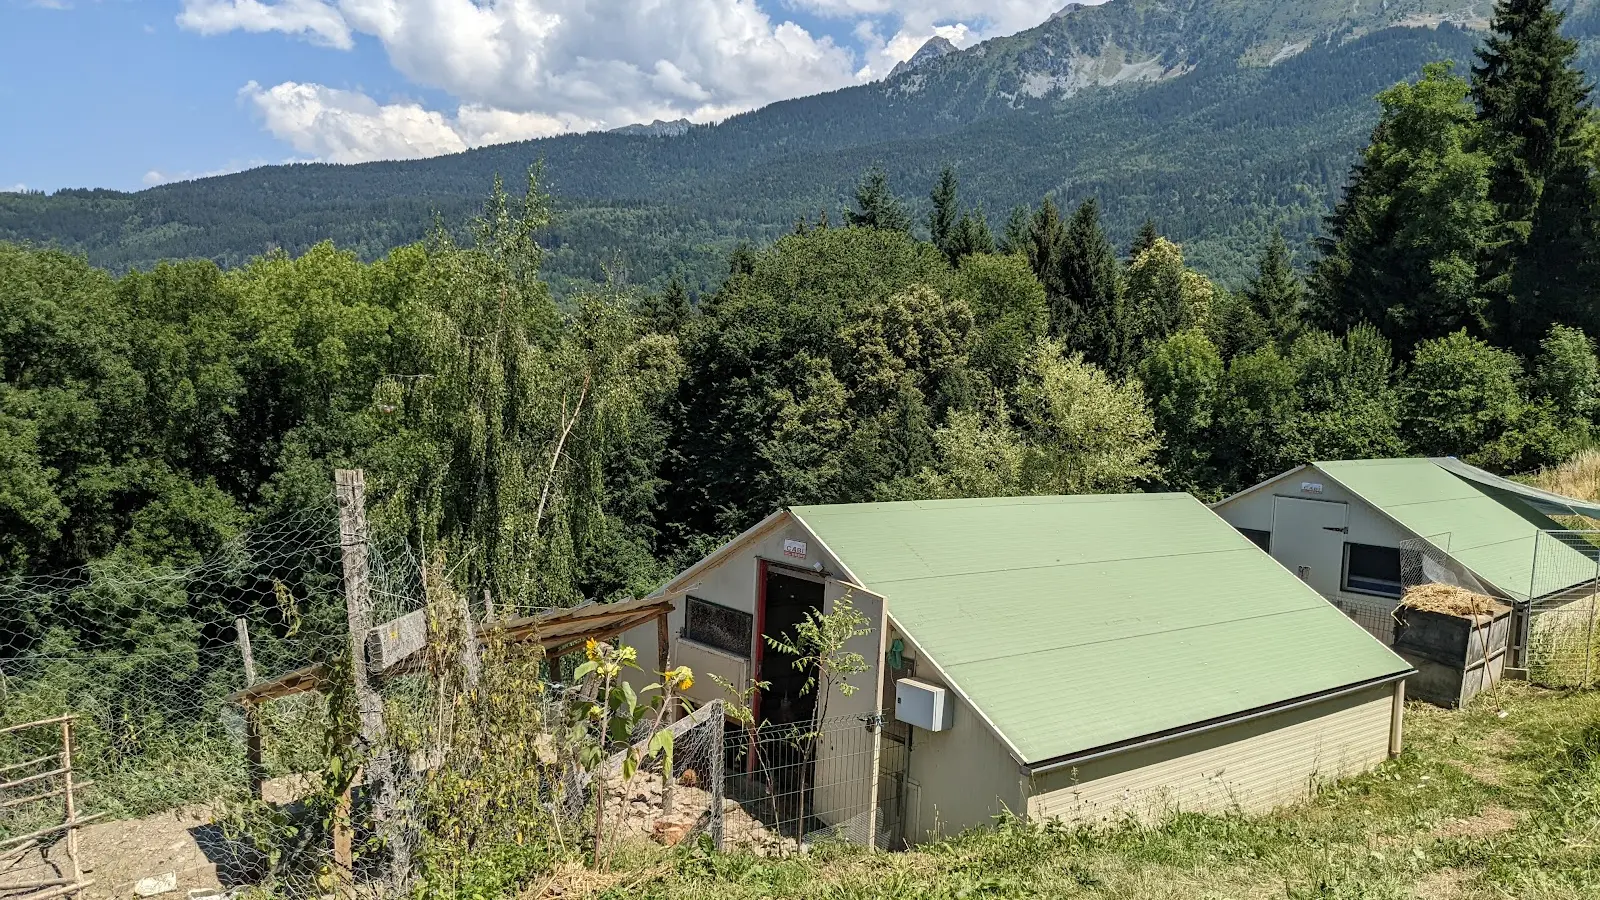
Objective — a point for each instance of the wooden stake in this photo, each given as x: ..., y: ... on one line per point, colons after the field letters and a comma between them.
x: 1397, y: 718
x: 255, y: 770
x: 663, y: 658
x: 72, y: 806
x: 344, y: 863
x: 354, y: 544
x: 241, y: 630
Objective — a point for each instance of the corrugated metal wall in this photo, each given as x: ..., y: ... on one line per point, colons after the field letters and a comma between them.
x: 1251, y: 767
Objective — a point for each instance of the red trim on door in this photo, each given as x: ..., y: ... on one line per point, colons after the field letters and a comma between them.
x: 758, y: 652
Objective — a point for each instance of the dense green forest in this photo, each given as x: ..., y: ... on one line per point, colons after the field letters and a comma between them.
x: 899, y: 350
x: 1218, y: 154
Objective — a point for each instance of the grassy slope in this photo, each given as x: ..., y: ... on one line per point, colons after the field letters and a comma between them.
x: 1480, y: 806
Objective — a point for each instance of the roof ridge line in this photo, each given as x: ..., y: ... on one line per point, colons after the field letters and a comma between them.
x: 1065, y: 565
x: 1284, y: 612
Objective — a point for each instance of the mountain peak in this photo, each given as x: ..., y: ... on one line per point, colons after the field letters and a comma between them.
x: 658, y: 128
x: 934, y: 48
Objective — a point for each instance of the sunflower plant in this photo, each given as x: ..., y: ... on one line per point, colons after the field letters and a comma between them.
x: 612, y: 712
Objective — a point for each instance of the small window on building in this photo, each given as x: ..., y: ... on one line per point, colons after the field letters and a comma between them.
x: 1262, y: 539
x: 718, y: 626
x: 1372, y: 570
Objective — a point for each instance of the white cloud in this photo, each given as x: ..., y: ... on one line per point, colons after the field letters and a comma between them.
x: 315, y: 19
x: 17, y: 188
x: 527, y: 68
x: 350, y: 127
x: 987, y: 17
x: 610, y: 61
x: 883, y: 55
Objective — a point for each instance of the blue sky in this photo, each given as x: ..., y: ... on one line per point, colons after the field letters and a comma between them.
x: 131, y: 93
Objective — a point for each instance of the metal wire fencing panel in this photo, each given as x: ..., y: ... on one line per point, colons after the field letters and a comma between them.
x: 835, y: 780
x: 1560, y: 630
x: 146, y: 658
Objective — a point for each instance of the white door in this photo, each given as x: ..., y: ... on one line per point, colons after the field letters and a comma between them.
x: 1308, y: 538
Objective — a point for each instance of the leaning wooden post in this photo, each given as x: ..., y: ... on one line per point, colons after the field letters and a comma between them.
x: 255, y: 771
x: 354, y: 543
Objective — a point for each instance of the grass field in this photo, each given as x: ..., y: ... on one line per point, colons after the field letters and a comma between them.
x: 1498, y: 801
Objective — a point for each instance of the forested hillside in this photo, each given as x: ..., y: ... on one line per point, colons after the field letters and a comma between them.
x: 1170, y: 108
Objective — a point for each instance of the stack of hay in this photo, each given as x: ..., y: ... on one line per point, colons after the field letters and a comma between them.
x: 1449, y: 600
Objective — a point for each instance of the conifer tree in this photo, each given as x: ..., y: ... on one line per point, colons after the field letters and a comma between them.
x: 1089, y: 312
x: 1533, y: 104
x: 877, y: 206
x: 946, y: 212
x: 1042, y: 246
x: 1275, y: 294
x: 1145, y: 239
x: 1402, y: 248
x: 668, y: 311
x: 1014, y: 237
x: 971, y: 235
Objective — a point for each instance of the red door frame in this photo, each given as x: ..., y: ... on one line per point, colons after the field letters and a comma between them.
x: 759, y: 654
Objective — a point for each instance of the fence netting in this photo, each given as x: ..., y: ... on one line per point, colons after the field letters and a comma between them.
x: 202, y: 727
x: 1559, y: 630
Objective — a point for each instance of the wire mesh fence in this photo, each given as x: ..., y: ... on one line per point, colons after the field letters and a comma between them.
x: 841, y: 779
x: 229, y: 732
x: 1559, y: 629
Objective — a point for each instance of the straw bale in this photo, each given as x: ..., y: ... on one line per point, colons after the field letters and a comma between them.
x: 1450, y: 600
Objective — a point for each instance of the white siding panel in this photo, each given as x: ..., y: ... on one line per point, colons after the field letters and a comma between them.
x: 1251, y: 767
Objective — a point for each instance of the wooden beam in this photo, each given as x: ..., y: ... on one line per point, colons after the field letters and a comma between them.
x: 32, y: 762
x: 39, y: 724
x: 21, y: 838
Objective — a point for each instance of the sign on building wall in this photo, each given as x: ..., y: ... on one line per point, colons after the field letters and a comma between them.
x: 794, y: 549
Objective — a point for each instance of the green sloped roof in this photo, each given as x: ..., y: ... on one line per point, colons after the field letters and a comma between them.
x: 1077, y: 622
x: 1493, y: 535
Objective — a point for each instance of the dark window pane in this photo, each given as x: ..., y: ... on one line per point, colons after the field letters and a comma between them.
x: 714, y: 625
x: 1262, y: 539
x: 1372, y: 570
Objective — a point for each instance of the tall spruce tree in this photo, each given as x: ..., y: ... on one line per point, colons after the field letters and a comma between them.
x: 971, y: 235
x: 1145, y: 239
x: 1089, y: 311
x: 876, y: 205
x: 946, y: 212
x: 1014, y: 236
x: 1042, y: 246
x: 1532, y: 105
x: 1275, y: 294
x: 1402, y: 247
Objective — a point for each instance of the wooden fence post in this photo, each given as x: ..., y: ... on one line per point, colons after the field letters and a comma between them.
x: 354, y: 546
x: 255, y: 770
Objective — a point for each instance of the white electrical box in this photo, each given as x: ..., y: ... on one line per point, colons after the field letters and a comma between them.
x: 927, y: 706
